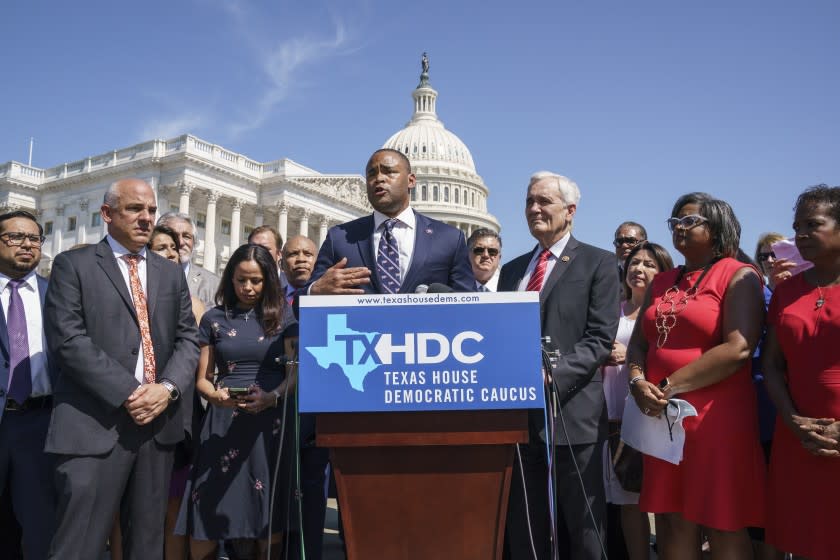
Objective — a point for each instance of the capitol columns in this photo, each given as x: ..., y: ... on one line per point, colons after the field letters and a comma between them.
x: 283, y: 220
x: 163, y: 199
x: 304, y: 222
x: 81, y: 225
x: 210, y: 232
x: 259, y: 216
x: 235, y: 221
x: 184, y: 202
x: 322, y: 234
x: 58, y: 230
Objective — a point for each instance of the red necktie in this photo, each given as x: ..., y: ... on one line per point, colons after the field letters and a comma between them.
x: 536, y: 281
x: 142, y: 310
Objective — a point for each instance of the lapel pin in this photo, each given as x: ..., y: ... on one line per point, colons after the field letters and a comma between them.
x: 565, y: 258
x: 428, y: 231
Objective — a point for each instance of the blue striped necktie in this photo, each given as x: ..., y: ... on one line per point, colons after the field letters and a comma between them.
x: 388, y: 260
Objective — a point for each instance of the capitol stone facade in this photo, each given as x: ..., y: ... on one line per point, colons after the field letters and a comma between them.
x: 228, y: 194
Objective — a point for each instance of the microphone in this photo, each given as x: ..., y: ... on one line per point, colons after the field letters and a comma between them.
x: 438, y: 288
x: 421, y: 289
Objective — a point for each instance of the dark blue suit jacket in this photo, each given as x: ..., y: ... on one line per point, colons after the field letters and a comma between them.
x: 4, y: 350
x: 440, y: 255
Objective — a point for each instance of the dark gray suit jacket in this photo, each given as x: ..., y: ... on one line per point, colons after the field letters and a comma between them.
x: 203, y: 285
x: 93, y: 334
x: 579, y: 310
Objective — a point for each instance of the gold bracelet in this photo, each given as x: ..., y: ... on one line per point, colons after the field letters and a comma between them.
x: 633, y: 365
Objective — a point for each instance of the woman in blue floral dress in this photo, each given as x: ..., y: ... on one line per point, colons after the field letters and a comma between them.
x: 247, y: 337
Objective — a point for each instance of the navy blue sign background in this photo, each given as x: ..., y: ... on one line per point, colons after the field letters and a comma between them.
x: 341, y: 349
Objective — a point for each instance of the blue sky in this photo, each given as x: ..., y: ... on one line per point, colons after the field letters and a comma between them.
x: 638, y: 101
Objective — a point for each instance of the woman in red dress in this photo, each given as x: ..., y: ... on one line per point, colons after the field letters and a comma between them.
x: 700, y: 324
x: 802, y: 371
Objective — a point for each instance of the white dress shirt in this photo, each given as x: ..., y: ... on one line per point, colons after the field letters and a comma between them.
x: 492, y: 284
x: 119, y: 251
x: 405, y: 231
x: 556, y: 250
x: 31, y: 298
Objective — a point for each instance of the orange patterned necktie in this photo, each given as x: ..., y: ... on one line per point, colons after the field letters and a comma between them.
x: 142, y: 317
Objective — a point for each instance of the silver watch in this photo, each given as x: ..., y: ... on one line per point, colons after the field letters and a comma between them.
x: 174, y: 393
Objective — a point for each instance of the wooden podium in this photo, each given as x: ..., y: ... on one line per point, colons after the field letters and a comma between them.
x: 423, y: 485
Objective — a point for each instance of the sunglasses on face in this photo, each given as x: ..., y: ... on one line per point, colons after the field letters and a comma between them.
x: 764, y: 257
x: 493, y: 252
x: 686, y: 222
x: 619, y: 241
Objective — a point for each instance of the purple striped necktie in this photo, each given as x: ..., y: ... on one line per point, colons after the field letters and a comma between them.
x: 388, y: 260
x: 20, y: 369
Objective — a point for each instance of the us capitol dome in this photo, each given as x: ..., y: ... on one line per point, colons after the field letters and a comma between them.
x: 448, y: 187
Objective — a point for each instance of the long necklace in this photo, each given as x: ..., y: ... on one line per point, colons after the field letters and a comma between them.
x: 673, y: 302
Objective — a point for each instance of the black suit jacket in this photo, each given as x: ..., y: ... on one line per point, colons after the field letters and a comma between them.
x: 440, y: 255
x: 93, y: 333
x: 579, y: 310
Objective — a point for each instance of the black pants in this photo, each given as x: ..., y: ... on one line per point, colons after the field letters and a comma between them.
x: 575, y: 529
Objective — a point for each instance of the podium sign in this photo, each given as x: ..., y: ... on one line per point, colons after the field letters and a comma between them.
x: 420, y: 352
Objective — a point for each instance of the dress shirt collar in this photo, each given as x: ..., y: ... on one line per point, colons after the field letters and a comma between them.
x: 186, y: 267
x: 405, y: 217
x: 556, y: 249
x: 119, y: 250
x: 30, y: 280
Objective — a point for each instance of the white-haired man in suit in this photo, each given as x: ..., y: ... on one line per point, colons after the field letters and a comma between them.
x: 202, y: 282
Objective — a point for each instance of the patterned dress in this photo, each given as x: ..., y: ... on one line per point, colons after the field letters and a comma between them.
x: 228, y: 494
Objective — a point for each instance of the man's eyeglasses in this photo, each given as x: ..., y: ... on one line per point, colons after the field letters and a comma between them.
x: 15, y: 239
x: 619, y: 241
x: 764, y: 257
x: 686, y: 222
x: 492, y: 251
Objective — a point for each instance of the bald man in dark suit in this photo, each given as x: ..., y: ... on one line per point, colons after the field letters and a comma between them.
x: 120, y: 324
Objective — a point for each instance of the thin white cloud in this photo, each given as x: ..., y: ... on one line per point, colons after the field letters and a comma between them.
x: 164, y: 128
x: 282, y: 67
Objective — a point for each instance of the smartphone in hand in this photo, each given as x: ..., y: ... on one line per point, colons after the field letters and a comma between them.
x: 238, y: 392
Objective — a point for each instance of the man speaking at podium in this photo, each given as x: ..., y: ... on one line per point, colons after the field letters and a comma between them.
x: 579, y: 311
x: 395, y: 249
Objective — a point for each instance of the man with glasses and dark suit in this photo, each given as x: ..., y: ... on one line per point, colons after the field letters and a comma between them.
x: 627, y: 236
x: 485, y: 247
x: 26, y: 384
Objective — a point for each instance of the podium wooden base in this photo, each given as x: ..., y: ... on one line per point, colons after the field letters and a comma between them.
x: 423, y: 485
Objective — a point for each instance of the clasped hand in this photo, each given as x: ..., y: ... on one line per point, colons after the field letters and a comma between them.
x: 147, y: 402
x: 820, y: 436
x: 649, y: 398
